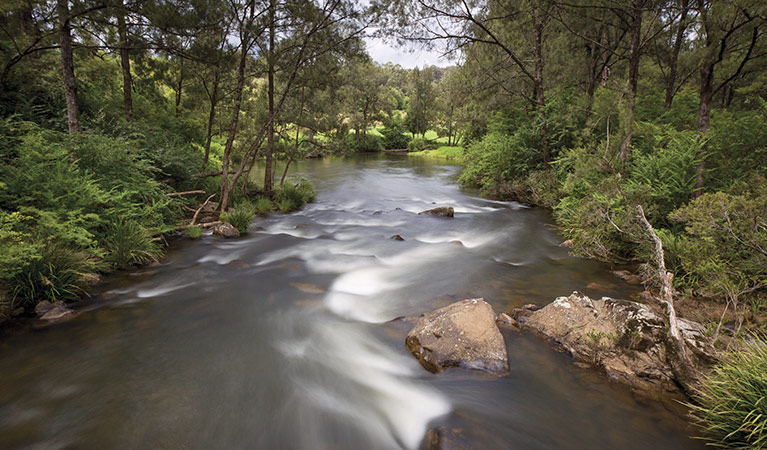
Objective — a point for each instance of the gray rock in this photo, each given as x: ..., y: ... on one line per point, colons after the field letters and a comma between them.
x: 442, y: 211
x: 626, y: 339
x: 463, y: 334
x: 54, y: 311
x: 42, y: 308
x: 226, y: 230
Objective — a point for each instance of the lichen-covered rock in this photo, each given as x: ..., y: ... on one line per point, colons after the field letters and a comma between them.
x: 225, y: 230
x: 463, y: 334
x: 442, y: 211
x: 625, y: 338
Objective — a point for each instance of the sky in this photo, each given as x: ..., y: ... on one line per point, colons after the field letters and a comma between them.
x: 383, y: 52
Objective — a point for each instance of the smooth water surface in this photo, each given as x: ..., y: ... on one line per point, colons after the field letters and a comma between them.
x: 280, y: 340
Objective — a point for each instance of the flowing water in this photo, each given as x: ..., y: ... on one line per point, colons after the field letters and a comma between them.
x: 280, y: 340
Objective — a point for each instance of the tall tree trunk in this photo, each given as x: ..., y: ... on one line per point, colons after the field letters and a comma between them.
x: 68, y: 67
x: 211, y: 118
x: 179, y: 87
x: 226, y: 187
x: 270, y: 97
x: 704, y: 115
x: 540, y: 100
x: 678, y: 40
x: 634, y: 57
x: 122, y: 31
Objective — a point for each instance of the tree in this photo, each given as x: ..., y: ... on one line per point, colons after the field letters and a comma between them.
x: 421, y: 105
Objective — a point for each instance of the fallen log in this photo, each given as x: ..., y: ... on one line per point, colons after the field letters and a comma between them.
x: 179, y: 194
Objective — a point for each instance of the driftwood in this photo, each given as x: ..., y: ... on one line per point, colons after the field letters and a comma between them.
x: 678, y: 354
x: 179, y: 194
x: 196, y: 213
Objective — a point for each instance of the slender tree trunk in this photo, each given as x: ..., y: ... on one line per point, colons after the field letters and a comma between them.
x: 122, y: 31
x: 225, y: 185
x: 270, y: 95
x: 704, y: 115
x: 68, y: 67
x: 540, y: 100
x: 179, y: 87
x: 211, y: 118
x: 634, y: 57
x: 679, y: 39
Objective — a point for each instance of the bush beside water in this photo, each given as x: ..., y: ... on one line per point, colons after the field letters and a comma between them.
x: 731, y: 406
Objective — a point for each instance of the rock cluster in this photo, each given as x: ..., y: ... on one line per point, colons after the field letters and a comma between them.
x: 625, y: 338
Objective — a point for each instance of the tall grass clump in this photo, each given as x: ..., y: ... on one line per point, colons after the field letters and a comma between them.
x: 58, y: 274
x: 241, y: 216
x: 291, y: 197
x: 732, y: 402
x: 262, y: 205
x: 128, y: 243
x: 194, y: 232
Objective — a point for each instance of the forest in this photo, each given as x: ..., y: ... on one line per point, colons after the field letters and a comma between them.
x: 641, y: 124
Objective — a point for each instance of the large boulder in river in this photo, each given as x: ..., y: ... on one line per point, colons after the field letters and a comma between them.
x: 442, y: 211
x: 225, y: 230
x: 624, y: 338
x: 463, y: 334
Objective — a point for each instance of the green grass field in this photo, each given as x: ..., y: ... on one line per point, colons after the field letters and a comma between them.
x: 441, y: 152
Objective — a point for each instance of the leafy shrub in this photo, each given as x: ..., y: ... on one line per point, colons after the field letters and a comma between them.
x: 722, y: 247
x: 59, y: 273
x: 664, y: 166
x: 356, y: 144
x: 129, y: 243
x: 194, y: 232
x: 731, y: 407
x: 262, y: 205
x: 498, y: 158
x: 395, y: 137
x: 418, y: 144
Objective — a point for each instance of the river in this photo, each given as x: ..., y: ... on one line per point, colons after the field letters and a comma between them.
x: 280, y: 340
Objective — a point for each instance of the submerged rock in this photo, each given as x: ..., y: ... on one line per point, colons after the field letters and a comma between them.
x: 442, y: 211
x: 225, y: 230
x: 397, y: 237
x: 626, y: 339
x: 463, y: 334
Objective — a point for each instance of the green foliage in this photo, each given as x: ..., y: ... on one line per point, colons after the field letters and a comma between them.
x: 731, y: 407
x: 129, y: 243
x: 394, y: 137
x: 241, y: 216
x: 292, y: 197
x: 358, y: 144
x: 263, y: 205
x: 57, y: 274
x: 725, y: 237
x: 65, y: 197
x: 441, y: 152
x: 194, y: 232
x: 664, y: 166
x: 738, y: 146
x: 499, y: 158
x: 418, y: 144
